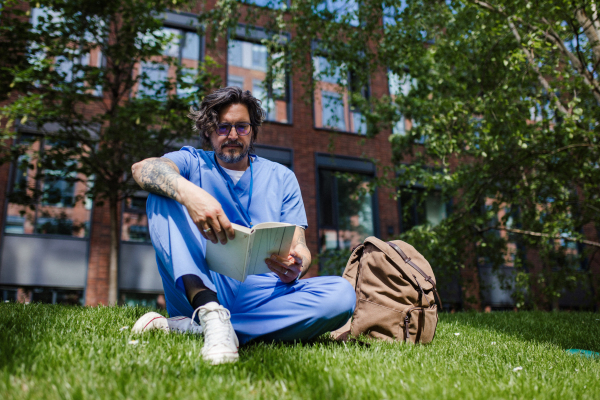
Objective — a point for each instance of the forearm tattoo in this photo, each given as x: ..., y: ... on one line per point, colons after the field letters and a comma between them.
x: 306, y: 260
x: 159, y: 176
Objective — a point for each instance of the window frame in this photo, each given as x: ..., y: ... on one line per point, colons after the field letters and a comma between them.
x: 254, y: 34
x: 186, y: 22
x: 417, y: 187
x: 340, y: 163
x: 316, y: 51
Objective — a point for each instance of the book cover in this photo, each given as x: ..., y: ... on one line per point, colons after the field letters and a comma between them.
x: 246, y: 253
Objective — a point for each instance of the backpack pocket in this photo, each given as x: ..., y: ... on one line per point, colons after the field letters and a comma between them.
x: 421, y: 323
x: 376, y: 321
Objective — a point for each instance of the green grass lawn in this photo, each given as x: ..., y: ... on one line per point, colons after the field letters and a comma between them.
x: 57, y: 352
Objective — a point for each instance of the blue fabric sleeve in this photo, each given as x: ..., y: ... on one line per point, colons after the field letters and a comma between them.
x: 292, y: 209
x: 185, y: 159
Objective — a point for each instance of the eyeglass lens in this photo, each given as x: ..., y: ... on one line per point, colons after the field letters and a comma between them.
x: 242, y: 129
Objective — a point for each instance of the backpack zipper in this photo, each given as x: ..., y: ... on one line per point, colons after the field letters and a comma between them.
x: 407, y: 321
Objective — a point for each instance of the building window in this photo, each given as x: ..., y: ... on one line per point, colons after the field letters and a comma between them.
x: 347, y: 209
x: 418, y: 208
x: 400, y: 86
x: 48, y: 295
x: 274, y: 4
x: 135, y: 220
x: 333, y: 101
x: 184, y: 47
x: 45, y: 202
x: 341, y: 10
x: 70, y: 64
x: 255, y: 67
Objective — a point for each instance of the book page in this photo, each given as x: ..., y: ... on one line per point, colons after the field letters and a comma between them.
x: 269, y: 239
x: 229, y: 259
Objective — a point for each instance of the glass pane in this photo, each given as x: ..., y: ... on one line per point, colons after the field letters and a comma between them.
x: 259, y: 57
x: 435, y: 209
x: 333, y: 111
x: 341, y: 8
x: 156, y: 74
x: 233, y: 80
x: 359, y: 125
x: 188, y: 77
x: 190, y: 47
x: 326, y: 72
x: 252, y: 67
x: 327, y: 217
x: 355, y: 209
x: 418, y: 209
x: 274, y: 4
x: 174, y: 37
x: 135, y: 220
x: 345, y: 210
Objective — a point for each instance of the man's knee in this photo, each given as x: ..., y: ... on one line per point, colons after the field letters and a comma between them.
x: 340, y: 300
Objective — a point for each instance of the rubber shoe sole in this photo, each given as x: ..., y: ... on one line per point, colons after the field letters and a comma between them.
x: 221, y: 358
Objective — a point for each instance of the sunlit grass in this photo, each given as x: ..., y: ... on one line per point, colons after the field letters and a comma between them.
x: 57, y: 352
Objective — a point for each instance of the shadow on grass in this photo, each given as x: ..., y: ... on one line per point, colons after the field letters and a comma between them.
x: 580, y: 330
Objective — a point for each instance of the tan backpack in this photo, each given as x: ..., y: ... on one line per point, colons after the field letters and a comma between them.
x: 395, y: 293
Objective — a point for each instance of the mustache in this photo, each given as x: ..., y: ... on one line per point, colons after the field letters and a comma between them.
x: 232, y: 142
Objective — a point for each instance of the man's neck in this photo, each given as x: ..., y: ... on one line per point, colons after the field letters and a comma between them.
x: 241, y: 165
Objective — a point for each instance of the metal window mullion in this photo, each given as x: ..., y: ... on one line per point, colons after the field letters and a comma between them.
x: 336, y: 211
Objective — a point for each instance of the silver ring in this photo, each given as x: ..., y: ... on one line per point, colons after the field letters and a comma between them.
x: 207, y: 230
x: 286, y: 271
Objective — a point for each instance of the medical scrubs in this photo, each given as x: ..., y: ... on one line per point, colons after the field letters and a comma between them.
x: 262, y: 307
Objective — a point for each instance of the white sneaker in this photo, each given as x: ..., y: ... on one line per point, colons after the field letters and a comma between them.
x: 220, y: 341
x: 154, y: 320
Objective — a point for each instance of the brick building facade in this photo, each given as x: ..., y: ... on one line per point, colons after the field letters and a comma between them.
x: 315, y: 138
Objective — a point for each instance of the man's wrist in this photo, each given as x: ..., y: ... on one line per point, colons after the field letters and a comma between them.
x: 183, y: 192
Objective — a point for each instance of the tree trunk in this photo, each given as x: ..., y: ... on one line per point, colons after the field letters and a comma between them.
x: 113, y: 269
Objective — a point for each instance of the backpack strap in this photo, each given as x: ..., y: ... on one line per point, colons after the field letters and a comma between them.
x: 407, y: 260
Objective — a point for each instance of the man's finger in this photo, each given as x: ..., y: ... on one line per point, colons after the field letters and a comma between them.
x: 296, y: 259
x: 219, y: 232
x: 226, y: 225
x: 208, y: 232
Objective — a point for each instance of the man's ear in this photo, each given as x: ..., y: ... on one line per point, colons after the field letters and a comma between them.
x: 206, y: 145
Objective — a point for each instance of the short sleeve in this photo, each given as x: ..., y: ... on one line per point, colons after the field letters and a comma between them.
x: 292, y: 209
x: 184, y: 159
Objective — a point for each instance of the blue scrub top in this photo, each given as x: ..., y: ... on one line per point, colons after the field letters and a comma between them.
x: 276, y: 194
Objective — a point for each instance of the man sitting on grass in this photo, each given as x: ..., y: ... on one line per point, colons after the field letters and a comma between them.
x: 194, y: 196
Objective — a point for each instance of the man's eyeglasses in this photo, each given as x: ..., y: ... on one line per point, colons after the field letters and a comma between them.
x: 242, y: 129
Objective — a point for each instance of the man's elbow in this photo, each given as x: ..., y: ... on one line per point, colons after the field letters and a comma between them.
x: 136, y: 170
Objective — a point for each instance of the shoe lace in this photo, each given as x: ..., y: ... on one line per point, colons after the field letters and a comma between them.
x: 219, y: 330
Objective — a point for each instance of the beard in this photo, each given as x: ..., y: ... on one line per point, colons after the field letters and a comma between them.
x: 231, y: 155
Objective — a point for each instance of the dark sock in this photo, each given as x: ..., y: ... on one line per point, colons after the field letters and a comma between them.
x: 203, y: 297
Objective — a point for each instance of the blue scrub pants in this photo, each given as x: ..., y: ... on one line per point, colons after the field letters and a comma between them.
x: 262, y: 307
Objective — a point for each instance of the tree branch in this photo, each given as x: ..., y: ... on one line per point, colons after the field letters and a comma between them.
x: 553, y: 38
x: 531, y: 59
x: 590, y: 31
x: 571, y: 146
x: 537, y: 234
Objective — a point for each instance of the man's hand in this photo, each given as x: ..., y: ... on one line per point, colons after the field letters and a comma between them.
x: 297, y: 262
x: 207, y: 214
x: 287, y: 269
x: 161, y: 176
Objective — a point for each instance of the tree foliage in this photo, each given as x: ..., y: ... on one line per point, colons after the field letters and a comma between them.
x: 95, y: 114
x: 503, y: 99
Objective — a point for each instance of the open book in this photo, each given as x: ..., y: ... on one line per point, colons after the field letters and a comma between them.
x: 245, y: 255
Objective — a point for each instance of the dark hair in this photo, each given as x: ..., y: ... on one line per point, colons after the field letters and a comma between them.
x: 206, y: 117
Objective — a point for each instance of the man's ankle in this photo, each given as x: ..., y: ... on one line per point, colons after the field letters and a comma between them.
x: 204, y: 297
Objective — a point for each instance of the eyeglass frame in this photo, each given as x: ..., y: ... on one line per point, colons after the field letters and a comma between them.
x: 234, y: 126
